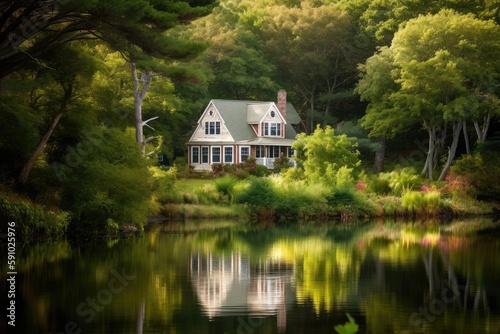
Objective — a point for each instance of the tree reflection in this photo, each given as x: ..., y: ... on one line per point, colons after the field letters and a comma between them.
x: 392, y: 277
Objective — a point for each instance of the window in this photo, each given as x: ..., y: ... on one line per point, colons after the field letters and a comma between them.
x: 259, y: 151
x: 212, y: 128
x: 204, y: 154
x: 215, y: 154
x: 244, y: 153
x: 272, y: 114
x: 228, y: 154
x: 272, y: 129
x: 273, y: 151
x: 195, y: 155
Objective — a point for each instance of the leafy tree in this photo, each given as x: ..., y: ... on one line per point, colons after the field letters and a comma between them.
x: 109, y: 183
x: 30, y: 29
x: 381, y: 19
x: 325, y: 156
x: 316, y: 51
x: 440, y: 69
x: 238, y: 67
x: 52, y: 92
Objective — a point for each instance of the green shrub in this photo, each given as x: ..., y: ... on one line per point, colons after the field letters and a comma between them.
x: 217, y: 170
x: 379, y: 185
x: 225, y: 186
x: 476, y: 174
x: 260, y: 192
x: 398, y: 181
x: 422, y: 202
x: 206, y: 195
x: 249, y: 165
x: 32, y: 220
x: 346, y: 200
x: 280, y: 164
x: 164, y: 183
x: 261, y: 171
x: 341, y: 197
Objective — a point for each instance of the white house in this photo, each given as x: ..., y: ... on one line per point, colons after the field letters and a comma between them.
x: 230, y: 131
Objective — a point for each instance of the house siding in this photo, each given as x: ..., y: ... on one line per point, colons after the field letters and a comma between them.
x: 200, y: 134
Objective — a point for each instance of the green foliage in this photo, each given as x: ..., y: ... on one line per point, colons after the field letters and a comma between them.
x: 110, y: 182
x: 379, y: 184
x: 225, y: 185
x: 398, y: 181
x: 281, y: 164
x: 241, y: 170
x: 19, y: 129
x: 349, y: 327
x: 260, y: 192
x: 476, y: 175
x: 32, y: 221
x: 260, y: 171
x: 422, y: 202
x: 134, y: 27
x: 347, y: 201
x: 316, y: 49
x: 163, y: 183
x: 323, y: 155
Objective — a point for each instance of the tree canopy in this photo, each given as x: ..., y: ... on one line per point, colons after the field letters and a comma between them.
x: 30, y: 29
x: 440, y: 69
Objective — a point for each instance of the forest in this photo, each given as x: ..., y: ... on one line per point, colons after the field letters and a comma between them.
x: 399, y: 102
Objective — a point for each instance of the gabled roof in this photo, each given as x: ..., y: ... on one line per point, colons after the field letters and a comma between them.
x: 236, y: 117
x: 256, y: 111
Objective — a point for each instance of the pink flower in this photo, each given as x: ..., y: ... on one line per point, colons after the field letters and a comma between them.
x: 425, y: 188
x: 360, y: 186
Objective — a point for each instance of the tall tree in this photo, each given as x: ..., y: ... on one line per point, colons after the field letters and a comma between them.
x: 29, y: 29
x: 55, y: 89
x: 443, y: 68
x: 316, y: 52
x: 382, y: 18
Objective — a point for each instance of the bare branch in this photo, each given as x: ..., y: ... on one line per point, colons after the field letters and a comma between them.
x: 151, y: 119
x: 150, y: 139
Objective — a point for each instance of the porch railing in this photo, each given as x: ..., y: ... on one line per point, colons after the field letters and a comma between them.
x: 269, y: 162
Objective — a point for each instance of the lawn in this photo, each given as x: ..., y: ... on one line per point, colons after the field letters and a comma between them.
x: 191, y: 185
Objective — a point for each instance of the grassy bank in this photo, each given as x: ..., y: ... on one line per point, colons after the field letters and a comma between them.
x: 31, y: 220
x: 281, y: 198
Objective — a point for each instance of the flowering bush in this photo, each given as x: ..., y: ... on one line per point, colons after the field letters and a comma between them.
x: 458, y: 186
x: 361, y: 186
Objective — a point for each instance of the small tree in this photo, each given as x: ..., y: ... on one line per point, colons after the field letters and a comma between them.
x: 322, y: 154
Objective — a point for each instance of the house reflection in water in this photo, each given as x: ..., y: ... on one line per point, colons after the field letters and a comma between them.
x: 230, y: 285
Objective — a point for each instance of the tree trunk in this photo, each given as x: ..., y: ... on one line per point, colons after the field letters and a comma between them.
x: 141, y: 87
x: 439, y: 144
x: 466, y: 138
x: 23, y: 176
x: 380, y: 156
x: 457, y: 127
x: 310, y: 119
x: 430, y: 152
x: 140, y: 318
x: 482, y: 132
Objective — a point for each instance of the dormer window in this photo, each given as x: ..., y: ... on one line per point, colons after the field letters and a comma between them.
x: 272, y: 129
x: 212, y: 128
x: 272, y: 113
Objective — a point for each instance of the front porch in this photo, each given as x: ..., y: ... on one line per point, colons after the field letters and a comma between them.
x: 269, y: 162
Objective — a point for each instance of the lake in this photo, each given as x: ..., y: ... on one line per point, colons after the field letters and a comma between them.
x: 228, y: 277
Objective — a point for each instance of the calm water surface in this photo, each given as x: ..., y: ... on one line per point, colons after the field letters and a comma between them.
x: 225, y: 278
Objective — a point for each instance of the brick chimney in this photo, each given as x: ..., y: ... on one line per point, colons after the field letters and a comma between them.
x: 282, y: 102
